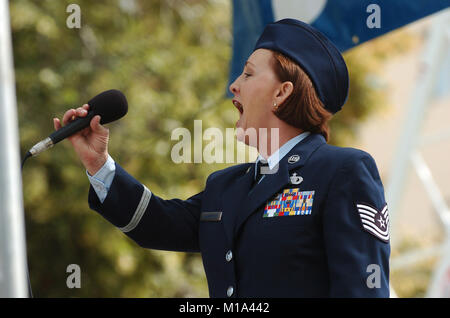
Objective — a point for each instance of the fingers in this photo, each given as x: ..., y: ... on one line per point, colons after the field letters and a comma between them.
x: 81, y: 111
x: 71, y: 114
x: 68, y: 115
x: 56, y: 123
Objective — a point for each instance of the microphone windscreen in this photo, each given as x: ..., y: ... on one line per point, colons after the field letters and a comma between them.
x: 110, y: 105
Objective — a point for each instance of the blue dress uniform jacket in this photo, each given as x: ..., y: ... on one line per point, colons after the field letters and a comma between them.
x: 326, y: 252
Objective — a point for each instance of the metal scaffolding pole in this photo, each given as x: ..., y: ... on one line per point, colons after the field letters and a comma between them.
x: 408, y: 154
x: 13, y: 275
x: 431, y: 61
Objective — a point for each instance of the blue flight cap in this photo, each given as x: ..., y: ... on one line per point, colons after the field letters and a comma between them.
x: 315, y: 54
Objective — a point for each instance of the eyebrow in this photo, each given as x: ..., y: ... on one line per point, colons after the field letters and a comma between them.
x: 248, y: 62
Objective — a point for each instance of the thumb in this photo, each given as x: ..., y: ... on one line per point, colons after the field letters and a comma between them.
x: 95, y: 125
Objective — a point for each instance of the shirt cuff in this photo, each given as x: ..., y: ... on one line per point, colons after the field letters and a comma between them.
x: 102, y: 180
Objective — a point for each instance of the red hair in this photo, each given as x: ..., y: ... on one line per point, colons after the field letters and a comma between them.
x: 303, y: 108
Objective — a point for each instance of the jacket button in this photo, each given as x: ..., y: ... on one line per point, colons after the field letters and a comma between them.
x: 229, y: 256
x: 230, y: 291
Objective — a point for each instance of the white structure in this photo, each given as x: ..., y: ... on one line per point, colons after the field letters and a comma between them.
x: 13, y: 274
x: 414, y: 161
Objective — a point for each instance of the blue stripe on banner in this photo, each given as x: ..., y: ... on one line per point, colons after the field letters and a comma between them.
x: 249, y: 19
x: 345, y: 22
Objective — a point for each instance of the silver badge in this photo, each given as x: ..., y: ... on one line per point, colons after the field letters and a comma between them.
x: 294, y: 158
x: 296, y: 179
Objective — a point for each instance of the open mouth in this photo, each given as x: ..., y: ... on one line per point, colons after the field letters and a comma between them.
x: 238, y: 106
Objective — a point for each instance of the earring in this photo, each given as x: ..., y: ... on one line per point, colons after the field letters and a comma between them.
x: 275, y: 105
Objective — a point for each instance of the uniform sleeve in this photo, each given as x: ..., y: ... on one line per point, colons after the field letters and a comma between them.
x: 356, y: 234
x: 148, y: 219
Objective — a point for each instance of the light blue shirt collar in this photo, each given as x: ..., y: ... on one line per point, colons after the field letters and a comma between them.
x: 276, y: 157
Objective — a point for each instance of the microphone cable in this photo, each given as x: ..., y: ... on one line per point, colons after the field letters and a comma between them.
x: 27, y: 155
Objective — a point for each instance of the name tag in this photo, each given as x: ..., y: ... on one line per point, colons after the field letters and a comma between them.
x: 211, y: 216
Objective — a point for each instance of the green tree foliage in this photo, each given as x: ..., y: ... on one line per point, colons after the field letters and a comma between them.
x: 171, y: 60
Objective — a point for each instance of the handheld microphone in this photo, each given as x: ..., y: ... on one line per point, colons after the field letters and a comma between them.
x: 110, y: 105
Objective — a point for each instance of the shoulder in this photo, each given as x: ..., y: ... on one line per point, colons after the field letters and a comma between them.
x: 349, y: 162
x: 344, y: 152
x: 344, y: 157
x: 356, y: 171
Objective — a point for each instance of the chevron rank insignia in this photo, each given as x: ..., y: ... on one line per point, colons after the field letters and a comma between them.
x: 375, y: 222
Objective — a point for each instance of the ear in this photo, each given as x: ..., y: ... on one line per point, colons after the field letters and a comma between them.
x: 284, y: 91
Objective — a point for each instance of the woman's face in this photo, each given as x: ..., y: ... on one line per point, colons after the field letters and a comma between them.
x: 254, y: 93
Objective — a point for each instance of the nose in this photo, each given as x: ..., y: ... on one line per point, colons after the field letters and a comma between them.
x: 234, y: 87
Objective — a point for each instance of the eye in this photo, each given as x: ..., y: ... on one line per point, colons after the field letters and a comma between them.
x: 247, y: 75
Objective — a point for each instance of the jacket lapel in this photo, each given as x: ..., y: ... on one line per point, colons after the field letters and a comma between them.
x: 273, y: 183
x: 234, y: 197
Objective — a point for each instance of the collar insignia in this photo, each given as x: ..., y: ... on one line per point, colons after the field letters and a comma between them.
x: 293, y: 159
